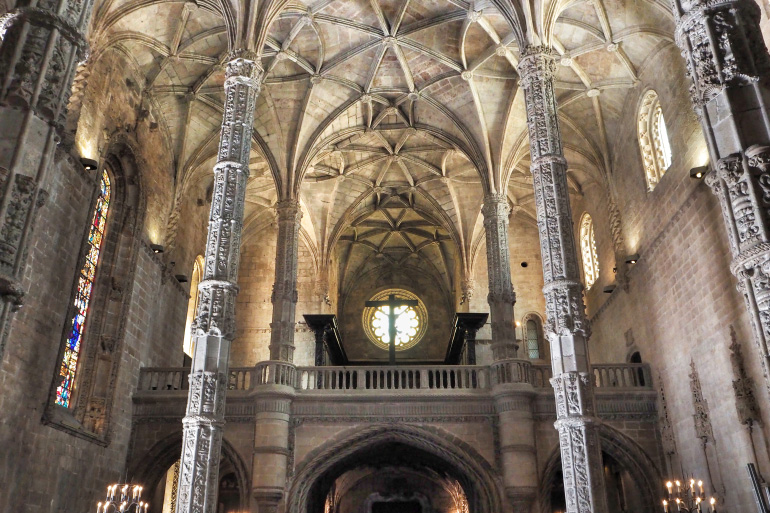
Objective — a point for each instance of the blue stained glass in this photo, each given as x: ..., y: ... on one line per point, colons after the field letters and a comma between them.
x: 69, y: 364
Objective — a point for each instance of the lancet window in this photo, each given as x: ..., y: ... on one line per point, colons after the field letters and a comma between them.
x: 534, y: 335
x: 653, y: 139
x: 588, y: 250
x: 192, y: 305
x: 85, y: 285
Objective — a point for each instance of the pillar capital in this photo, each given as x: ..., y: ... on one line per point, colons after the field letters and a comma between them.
x: 495, y: 207
x: 537, y: 64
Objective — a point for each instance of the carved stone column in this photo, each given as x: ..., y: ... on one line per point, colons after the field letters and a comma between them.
x: 215, y: 323
x: 285, y: 288
x: 39, y: 52
x: 566, y: 325
x: 729, y: 67
x: 501, y: 296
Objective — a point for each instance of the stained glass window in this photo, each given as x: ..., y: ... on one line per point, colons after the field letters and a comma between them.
x: 407, y: 324
x: 411, y: 321
x: 588, y: 250
x: 86, y: 276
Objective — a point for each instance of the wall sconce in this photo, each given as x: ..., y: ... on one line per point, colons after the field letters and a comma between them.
x: 156, y: 248
x: 698, y: 172
x: 632, y: 259
x: 89, y: 164
x: 609, y: 289
x: 181, y: 278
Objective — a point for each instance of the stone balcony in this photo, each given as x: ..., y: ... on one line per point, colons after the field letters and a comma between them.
x: 621, y: 389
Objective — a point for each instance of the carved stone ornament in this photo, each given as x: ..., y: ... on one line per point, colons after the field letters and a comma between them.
x: 285, y: 296
x: 215, y: 321
x: 566, y: 325
x: 501, y: 297
x: 701, y: 418
x: 722, y: 44
x: 743, y: 385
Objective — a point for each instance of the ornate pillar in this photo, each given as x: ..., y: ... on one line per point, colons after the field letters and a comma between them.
x: 728, y: 64
x: 215, y: 323
x: 566, y: 326
x: 39, y: 52
x: 501, y: 296
x: 285, y: 288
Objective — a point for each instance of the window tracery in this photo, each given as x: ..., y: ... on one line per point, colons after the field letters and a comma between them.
x: 588, y: 250
x: 411, y: 321
x: 653, y: 139
x: 86, y: 277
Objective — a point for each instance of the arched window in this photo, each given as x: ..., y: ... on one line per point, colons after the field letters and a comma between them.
x: 192, y: 305
x: 85, y: 285
x: 411, y: 321
x: 534, y: 335
x: 653, y: 139
x: 588, y: 250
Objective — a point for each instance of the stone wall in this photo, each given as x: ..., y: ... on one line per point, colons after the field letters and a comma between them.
x: 681, y: 298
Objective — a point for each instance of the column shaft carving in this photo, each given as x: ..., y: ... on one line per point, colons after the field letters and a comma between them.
x: 215, y: 322
x: 38, y: 58
x: 729, y: 68
x: 501, y: 296
x: 566, y: 326
x: 285, y: 288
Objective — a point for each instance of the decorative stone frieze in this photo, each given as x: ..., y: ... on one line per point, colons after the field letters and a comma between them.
x: 215, y: 322
x: 501, y: 296
x: 566, y: 325
x: 284, y: 297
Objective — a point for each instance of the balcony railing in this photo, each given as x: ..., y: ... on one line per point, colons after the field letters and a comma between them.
x: 386, y: 377
x: 176, y: 378
x: 440, y: 377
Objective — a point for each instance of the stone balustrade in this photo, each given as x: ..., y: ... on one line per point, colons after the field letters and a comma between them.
x: 439, y: 377
x: 386, y: 377
x: 177, y: 378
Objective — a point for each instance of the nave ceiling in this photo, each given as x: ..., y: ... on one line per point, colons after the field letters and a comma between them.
x: 367, y: 101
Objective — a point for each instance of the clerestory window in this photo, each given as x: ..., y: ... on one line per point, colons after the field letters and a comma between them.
x: 588, y: 250
x: 192, y: 305
x: 653, y: 139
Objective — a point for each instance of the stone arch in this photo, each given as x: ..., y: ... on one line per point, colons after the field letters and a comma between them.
x: 481, y: 482
x: 625, y: 451
x: 150, y: 467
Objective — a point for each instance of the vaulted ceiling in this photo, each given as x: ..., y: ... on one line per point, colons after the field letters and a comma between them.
x: 365, y: 101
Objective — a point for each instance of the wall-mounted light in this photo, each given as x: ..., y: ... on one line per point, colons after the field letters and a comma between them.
x: 632, y: 259
x: 698, y: 172
x: 181, y: 278
x: 609, y: 289
x: 156, y: 248
x: 89, y: 164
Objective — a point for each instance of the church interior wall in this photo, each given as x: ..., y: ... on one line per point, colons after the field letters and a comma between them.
x: 44, y: 467
x: 681, y: 298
